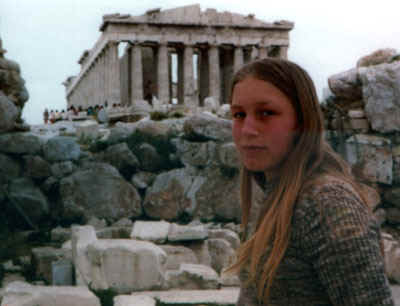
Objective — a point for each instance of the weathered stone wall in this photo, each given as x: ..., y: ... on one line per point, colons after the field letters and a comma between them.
x: 363, y: 124
x: 13, y: 94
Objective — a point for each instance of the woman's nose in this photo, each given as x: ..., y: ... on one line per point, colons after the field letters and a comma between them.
x: 250, y: 126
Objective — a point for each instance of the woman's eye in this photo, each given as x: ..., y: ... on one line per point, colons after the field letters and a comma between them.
x: 238, y: 115
x: 266, y: 113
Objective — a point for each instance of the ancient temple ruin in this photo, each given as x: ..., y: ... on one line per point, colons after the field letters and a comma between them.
x: 204, y: 48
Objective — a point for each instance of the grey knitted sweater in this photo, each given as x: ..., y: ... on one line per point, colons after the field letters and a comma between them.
x: 333, y: 257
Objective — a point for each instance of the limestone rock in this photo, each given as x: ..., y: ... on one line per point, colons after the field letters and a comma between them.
x: 161, y: 128
x: 88, y: 129
x: 217, y: 196
x: 150, y: 159
x: 8, y: 114
x: 171, y: 194
x: 192, y: 276
x: 126, y: 265
x: 61, y: 148
x: 393, y: 196
x: 36, y: 167
x: 381, y: 89
x: 226, y: 234
x: 197, y: 154
x: 60, y: 234
x: 187, y: 233
x: 372, y: 155
x: 202, y: 127
x: 42, y: 258
x: 346, y: 85
x: 97, y: 223
x: 21, y: 293
x: 122, y: 158
x: 222, y: 254
x: 99, y: 190
x: 396, y: 164
x: 9, y: 168
x: 137, y: 300
x: 143, y: 179
x: 377, y: 57
x: 356, y: 113
x: 28, y: 199
x: 81, y: 237
x: 176, y: 255
x: 125, y: 222
x: 20, y: 143
x: 62, y: 169
x: 201, y: 250
x: 392, y: 257
x: 380, y: 216
x: 225, y: 111
x: 211, y: 104
x: 228, y: 155
x: 393, y: 215
x: 154, y: 231
x: 226, y: 297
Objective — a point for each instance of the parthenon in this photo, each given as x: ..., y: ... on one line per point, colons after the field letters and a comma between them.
x: 206, y: 47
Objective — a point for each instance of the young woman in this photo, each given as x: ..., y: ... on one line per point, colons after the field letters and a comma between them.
x: 316, y: 241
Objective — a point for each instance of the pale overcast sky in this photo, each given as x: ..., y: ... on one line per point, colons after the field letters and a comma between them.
x: 47, y: 37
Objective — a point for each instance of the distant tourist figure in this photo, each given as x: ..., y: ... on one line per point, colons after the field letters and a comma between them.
x: 52, y: 117
x: 46, y: 116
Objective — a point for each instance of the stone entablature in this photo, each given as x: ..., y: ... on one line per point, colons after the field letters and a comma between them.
x: 222, y: 42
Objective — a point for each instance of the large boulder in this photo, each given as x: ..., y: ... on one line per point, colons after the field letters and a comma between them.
x: 122, y: 158
x: 377, y: 57
x: 222, y: 254
x: 36, y: 167
x: 21, y: 293
x: 372, y: 156
x: 81, y: 237
x: 192, y: 276
x: 8, y: 114
x: 9, y: 168
x: 61, y: 148
x: 203, y: 127
x: 20, y: 143
x: 176, y: 255
x: 126, y: 265
x: 171, y: 195
x: 28, y: 200
x: 154, y: 231
x: 346, y: 85
x: 381, y: 89
x: 197, y: 154
x: 99, y: 190
x: 218, y: 195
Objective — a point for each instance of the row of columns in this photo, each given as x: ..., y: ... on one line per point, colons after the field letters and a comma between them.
x: 102, y: 82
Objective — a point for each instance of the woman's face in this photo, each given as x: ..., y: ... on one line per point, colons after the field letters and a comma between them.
x: 264, y: 124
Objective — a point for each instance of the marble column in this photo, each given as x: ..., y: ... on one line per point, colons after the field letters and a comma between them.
x: 163, y: 74
x: 114, y: 67
x: 263, y: 52
x: 283, y: 52
x: 188, y: 76
x: 181, y: 77
x: 215, y: 74
x: 203, y: 76
x: 254, y: 53
x: 136, y: 73
x: 237, y: 58
x: 107, y: 75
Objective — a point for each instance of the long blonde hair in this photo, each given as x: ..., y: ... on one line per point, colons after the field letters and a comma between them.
x: 311, y: 155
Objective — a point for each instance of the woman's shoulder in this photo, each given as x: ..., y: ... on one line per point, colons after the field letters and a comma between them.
x: 330, y: 195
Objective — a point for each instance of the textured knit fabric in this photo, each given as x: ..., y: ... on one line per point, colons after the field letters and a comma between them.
x: 333, y: 257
